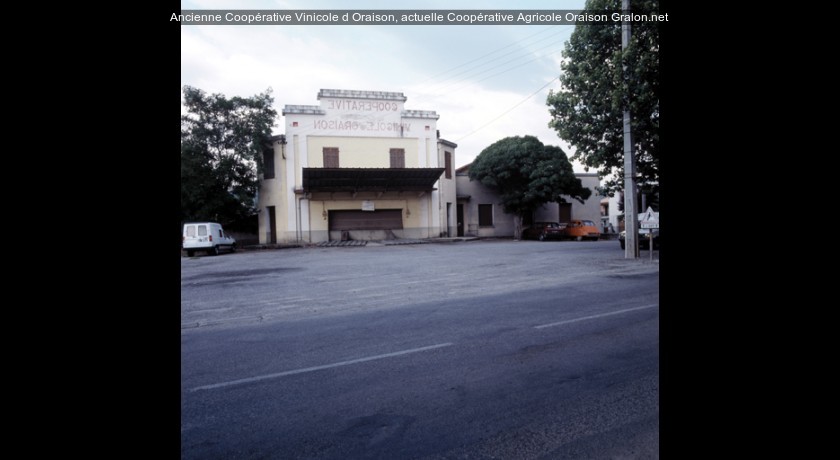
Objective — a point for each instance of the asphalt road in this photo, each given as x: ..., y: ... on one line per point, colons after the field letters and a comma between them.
x: 480, y: 350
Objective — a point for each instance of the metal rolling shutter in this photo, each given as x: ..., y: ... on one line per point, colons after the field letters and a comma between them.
x: 381, y: 219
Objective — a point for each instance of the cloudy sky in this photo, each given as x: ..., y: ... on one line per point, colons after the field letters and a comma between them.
x: 486, y: 82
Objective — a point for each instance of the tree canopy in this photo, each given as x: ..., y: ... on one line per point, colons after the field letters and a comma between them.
x: 222, y: 141
x: 587, y: 110
x: 527, y: 174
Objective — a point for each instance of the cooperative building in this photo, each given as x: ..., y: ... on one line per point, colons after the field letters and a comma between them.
x: 360, y: 166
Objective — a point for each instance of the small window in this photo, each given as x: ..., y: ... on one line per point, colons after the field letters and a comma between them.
x: 485, y: 215
x: 202, y: 230
x: 331, y: 157
x: 398, y: 158
x: 221, y: 235
x: 191, y: 231
x: 268, y: 163
x: 447, y: 158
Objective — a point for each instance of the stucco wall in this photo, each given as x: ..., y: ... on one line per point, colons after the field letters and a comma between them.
x: 361, y: 152
x: 479, y: 194
x: 503, y: 223
x: 364, y: 126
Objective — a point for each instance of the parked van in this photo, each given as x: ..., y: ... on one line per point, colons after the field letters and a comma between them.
x: 206, y: 236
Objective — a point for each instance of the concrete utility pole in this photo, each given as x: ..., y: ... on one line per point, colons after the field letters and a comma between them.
x: 631, y: 216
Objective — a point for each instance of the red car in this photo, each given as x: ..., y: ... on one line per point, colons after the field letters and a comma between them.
x: 544, y: 231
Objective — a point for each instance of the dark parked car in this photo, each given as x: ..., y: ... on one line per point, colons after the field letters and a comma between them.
x: 644, y: 239
x: 544, y: 231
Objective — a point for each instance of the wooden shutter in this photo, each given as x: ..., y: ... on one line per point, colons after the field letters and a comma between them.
x: 331, y: 157
x: 398, y: 158
x: 447, y: 158
x: 485, y: 215
x: 268, y: 163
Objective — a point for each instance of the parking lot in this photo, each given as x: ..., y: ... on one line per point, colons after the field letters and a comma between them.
x: 482, y: 349
x: 270, y: 285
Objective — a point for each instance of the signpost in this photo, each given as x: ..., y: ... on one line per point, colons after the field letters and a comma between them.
x: 649, y: 220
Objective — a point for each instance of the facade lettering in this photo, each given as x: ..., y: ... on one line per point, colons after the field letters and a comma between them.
x: 362, y: 106
x: 373, y: 126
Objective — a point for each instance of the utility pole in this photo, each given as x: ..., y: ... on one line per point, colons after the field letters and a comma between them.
x: 631, y: 216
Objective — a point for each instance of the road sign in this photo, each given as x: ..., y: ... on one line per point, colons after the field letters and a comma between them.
x: 649, y: 219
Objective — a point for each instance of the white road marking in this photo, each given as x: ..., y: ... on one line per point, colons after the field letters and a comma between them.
x: 318, y: 368
x: 594, y: 316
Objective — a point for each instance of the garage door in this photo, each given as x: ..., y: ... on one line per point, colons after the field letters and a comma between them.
x: 381, y: 219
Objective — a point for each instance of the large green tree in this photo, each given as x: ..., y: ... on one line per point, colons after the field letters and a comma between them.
x: 587, y: 110
x: 222, y: 140
x: 527, y: 174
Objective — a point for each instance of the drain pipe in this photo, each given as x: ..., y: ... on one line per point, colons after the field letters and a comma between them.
x: 298, y: 226
x: 309, y: 220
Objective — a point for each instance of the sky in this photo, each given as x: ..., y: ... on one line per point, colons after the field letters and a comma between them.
x: 486, y: 82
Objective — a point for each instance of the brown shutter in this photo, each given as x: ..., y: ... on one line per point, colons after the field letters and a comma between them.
x: 485, y: 215
x: 398, y: 158
x: 447, y: 158
x: 331, y: 157
x: 564, y: 212
x: 268, y: 163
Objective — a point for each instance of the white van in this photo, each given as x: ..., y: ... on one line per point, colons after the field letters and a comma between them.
x: 206, y: 236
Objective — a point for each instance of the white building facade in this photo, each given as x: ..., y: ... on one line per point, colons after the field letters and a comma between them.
x: 357, y: 166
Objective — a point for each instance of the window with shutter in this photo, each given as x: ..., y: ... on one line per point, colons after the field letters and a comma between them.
x: 268, y: 163
x: 398, y: 158
x: 447, y: 157
x: 485, y: 215
x: 331, y: 157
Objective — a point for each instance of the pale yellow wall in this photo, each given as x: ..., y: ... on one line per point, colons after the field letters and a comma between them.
x: 361, y: 152
x: 273, y: 193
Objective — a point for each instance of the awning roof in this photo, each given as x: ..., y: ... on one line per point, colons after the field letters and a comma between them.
x: 370, y: 179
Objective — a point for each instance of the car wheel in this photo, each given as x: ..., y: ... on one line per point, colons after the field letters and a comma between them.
x: 190, y: 253
x: 542, y: 236
x: 214, y: 251
x: 580, y: 238
x: 233, y: 248
x: 622, y: 244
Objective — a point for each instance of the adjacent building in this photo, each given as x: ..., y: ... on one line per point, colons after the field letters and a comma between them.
x: 358, y: 165
x: 480, y: 211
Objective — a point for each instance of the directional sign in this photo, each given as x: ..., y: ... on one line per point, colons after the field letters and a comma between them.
x: 649, y: 224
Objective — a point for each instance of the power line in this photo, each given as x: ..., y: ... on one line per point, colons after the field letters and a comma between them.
x: 442, y: 82
x: 485, y: 55
x: 307, y: 131
x: 508, y: 110
x: 508, y: 69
